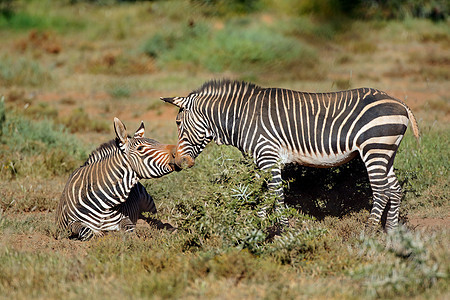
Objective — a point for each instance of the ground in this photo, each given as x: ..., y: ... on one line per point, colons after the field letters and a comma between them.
x: 99, y: 73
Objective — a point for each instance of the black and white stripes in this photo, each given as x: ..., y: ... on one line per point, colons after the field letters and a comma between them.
x: 104, y: 194
x: 279, y: 126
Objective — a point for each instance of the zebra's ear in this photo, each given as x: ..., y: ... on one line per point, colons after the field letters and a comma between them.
x: 140, y: 131
x: 177, y: 101
x: 121, y: 131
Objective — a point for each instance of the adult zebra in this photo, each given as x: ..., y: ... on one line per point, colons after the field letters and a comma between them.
x: 104, y: 194
x: 278, y: 126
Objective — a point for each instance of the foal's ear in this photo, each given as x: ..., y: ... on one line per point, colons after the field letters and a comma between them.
x: 121, y: 132
x: 140, y: 131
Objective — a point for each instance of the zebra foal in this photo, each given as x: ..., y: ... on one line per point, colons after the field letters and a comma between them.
x: 278, y: 126
x: 104, y: 194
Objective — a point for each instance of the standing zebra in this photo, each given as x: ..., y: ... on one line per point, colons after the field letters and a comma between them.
x: 104, y: 194
x: 278, y: 126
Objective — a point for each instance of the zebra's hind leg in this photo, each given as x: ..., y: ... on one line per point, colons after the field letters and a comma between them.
x: 379, y: 159
x: 376, y: 169
x: 395, y: 196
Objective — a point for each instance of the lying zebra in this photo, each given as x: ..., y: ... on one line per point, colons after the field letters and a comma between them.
x: 104, y: 194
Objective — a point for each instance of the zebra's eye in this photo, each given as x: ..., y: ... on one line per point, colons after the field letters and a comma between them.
x: 140, y: 148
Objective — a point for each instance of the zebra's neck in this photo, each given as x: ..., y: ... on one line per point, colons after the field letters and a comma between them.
x: 224, y: 105
x: 104, y: 151
x: 112, y: 166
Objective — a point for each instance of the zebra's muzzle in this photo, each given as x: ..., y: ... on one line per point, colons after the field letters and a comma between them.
x: 175, y: 167
x: 184, y: 162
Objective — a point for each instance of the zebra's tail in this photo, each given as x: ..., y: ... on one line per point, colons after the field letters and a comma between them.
x: 412, y: 119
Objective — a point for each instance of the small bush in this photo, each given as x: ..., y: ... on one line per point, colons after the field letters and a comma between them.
x: 80, y: 121
x: 28, y: 148
x: 120, y: 91
x: 231, y: 7
x: 436, y: 10
x: 402, y: 266
x: 231, y: 193
x: 22, y: 72
x: 22, y: 20
x: 42, y: 110
x: 7, y: 8
x: 294, y: 245
x: 238, y: 47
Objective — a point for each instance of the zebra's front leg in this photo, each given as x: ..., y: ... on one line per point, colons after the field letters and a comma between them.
x: 275, y: 186
x: 127, y: 225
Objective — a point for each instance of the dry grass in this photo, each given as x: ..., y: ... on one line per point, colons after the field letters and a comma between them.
x: 72, y: 70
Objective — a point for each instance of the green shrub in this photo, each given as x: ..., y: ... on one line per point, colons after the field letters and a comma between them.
x: 80, y: 121
x: 6, y: 7
x: 17, y: 19
x: 239, y: 47
x: 231, y: 7
x: 28, y: 148
x: 436, y: 10
x: 294, y: 245
x: 218, y: 201
x: 401, y: 265
x: 42, y: 110
x: 22, y: 72
x: 120, y: 91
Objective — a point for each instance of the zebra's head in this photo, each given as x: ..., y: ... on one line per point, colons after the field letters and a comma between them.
x: 147, y: 157
x: 194, y: 132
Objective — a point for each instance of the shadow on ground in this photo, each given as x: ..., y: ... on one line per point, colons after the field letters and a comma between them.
x: 335, y: 191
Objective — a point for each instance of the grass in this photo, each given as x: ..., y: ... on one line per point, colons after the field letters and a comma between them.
x: 22, y: 21
x: 238, y: 47
x: 423, y: 170
x: 141, y: 51
x: 221, y: 247
x: 35, y: 148
x: 220, y: 242
x: 22, y: 72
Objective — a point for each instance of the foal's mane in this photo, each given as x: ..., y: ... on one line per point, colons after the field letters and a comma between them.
x: 104, y: 150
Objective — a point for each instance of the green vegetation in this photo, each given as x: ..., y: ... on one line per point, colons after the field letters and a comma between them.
x: 68, y: 67
x: 240, y: 46
x: 38, y: 149
x: 424, y: 171
x: 22, y: 72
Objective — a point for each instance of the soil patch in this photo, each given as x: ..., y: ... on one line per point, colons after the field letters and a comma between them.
x: 430, y: 223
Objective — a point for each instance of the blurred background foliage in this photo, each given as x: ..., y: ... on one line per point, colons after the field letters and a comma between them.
x: 433, y: 9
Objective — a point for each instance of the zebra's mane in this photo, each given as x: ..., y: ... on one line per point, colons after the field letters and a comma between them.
x: 225, y: 83
x: 104, y: 150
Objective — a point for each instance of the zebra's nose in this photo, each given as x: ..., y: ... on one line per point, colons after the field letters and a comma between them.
x: 184, y: 162
x: 175, y: 167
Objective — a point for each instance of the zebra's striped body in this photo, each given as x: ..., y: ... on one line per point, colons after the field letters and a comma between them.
x: 278, y: 126
x: 104, y: 194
